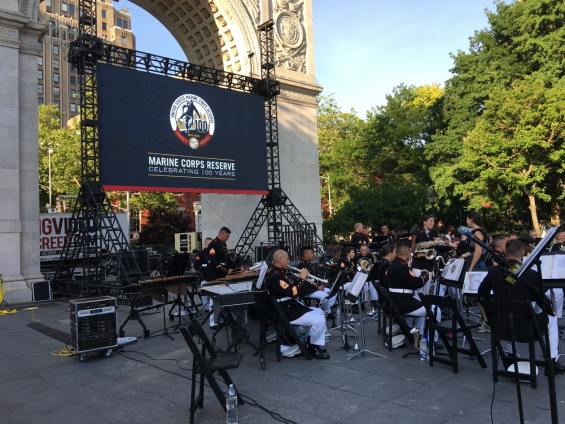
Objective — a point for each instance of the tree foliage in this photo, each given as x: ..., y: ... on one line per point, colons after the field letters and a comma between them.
x: 65, y: 157
x: 158, y: 229
x: 397, y: 203
x: 514, y: 63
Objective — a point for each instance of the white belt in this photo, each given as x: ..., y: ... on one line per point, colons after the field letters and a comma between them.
x: 284, y: 299
x: 203, y: 265
x: 401, y: 291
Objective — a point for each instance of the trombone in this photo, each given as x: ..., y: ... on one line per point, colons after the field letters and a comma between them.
x: 312, y: 279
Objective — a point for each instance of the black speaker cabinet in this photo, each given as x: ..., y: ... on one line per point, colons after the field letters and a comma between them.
x: 41, y: 291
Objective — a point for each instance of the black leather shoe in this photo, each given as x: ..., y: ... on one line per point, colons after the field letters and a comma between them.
x: 319, y: 352
x: 557, y: 369
x: 438, y: 346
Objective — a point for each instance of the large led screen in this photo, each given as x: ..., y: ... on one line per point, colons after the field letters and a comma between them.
x: 158, y: 133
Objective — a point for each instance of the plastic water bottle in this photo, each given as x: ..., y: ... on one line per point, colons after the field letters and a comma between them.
x: 302, y: 334
x: 424, y: 347
x: 231, y: 406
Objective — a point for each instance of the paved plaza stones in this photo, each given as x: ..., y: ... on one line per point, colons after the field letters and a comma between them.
x: 131, y: 388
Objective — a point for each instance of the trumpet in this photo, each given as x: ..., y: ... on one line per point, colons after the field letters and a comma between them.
x: 312, y: 279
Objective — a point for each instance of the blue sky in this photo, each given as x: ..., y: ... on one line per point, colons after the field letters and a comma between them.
x: 364, y: 48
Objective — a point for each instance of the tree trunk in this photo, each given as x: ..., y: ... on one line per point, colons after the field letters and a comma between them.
x: 534, y: 212
x: 555, y: 212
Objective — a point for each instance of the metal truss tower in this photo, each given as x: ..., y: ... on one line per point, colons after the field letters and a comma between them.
x: 275, y: 208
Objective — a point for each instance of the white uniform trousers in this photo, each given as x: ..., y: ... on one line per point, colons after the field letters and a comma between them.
x: 419, y: 322
x: 558, y: 293
x: 325, y: 304
x: 315, y: 323
x: 207, y: 304
x: 425, y: 290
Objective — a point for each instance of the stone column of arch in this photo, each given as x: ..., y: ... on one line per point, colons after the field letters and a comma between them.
x: 222, y: 34
x: 19, y: 178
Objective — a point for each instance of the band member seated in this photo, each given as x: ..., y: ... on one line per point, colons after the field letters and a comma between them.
x: 499, y: 246
x: 358, y: 237
x: 346, y: 263
x: 219, y: 263
x: 286, y: 294
x: 527, y: 288
x: 365, y: 254
x: 320, y: 292
x: 388, y: 253
x: 559, y: 243
x: 403, y: 285
x: 385, y: 231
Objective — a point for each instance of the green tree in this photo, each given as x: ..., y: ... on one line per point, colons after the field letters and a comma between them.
x: 339, y: 148
x: 395, y: 134
x: 517, y: 146
x: 523, y: 39
x: 397, y: 203
x: 65, y: 153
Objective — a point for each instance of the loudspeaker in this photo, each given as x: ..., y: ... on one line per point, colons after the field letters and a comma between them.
x: 41, y: 291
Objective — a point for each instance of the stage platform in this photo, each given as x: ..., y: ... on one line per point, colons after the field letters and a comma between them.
x: 130, y: 387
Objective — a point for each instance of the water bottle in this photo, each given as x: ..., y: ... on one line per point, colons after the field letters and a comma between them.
x: 302, y: 334
x: 231, y: 406
x: 424, y: 347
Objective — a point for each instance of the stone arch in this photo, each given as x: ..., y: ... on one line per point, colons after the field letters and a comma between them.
x: 217, y: 33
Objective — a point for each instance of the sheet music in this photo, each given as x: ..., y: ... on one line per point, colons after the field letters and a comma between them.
x: 262, y: 273
x: 473, y: 281
x: 558, y: 270
x: 453, y: 268
x: 358, y: 283
x: 546, y: 266
x: 231, y: 288
x: 540, y: 247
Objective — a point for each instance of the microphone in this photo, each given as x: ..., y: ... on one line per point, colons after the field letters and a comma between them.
x: 466, y: 231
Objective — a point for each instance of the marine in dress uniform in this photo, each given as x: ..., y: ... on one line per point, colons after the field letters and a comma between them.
x: 358, y: 237
x: 200, y: 265
x: 219, y: 263
x: 527, y: 288
x: 286, y: 294
x: 315, y: 292
x: 403, y: 284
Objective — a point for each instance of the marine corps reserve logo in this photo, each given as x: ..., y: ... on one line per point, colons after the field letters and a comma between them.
x: 192, y: 120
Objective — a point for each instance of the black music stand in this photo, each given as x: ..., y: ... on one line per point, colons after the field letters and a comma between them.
x: 176, y: 269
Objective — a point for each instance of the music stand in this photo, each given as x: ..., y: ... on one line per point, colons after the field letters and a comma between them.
x: 358, y: 288
x: 176, y: 269
x: 336, y: 288
x: 378, y: 242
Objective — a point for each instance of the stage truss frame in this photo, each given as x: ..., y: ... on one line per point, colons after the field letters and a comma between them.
x: 82, y: 248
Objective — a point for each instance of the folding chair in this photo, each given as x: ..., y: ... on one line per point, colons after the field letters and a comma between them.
x: 394, y: 313
x: 454, y: 326
x: 282, y: 321
x: 500, y: 329
x: 207, y: 366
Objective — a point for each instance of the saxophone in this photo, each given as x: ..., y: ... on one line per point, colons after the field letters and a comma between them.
x: 427, y: 248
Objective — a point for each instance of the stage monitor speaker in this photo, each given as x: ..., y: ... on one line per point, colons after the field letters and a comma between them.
x: 41, y: 291
x: 266, y: 248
